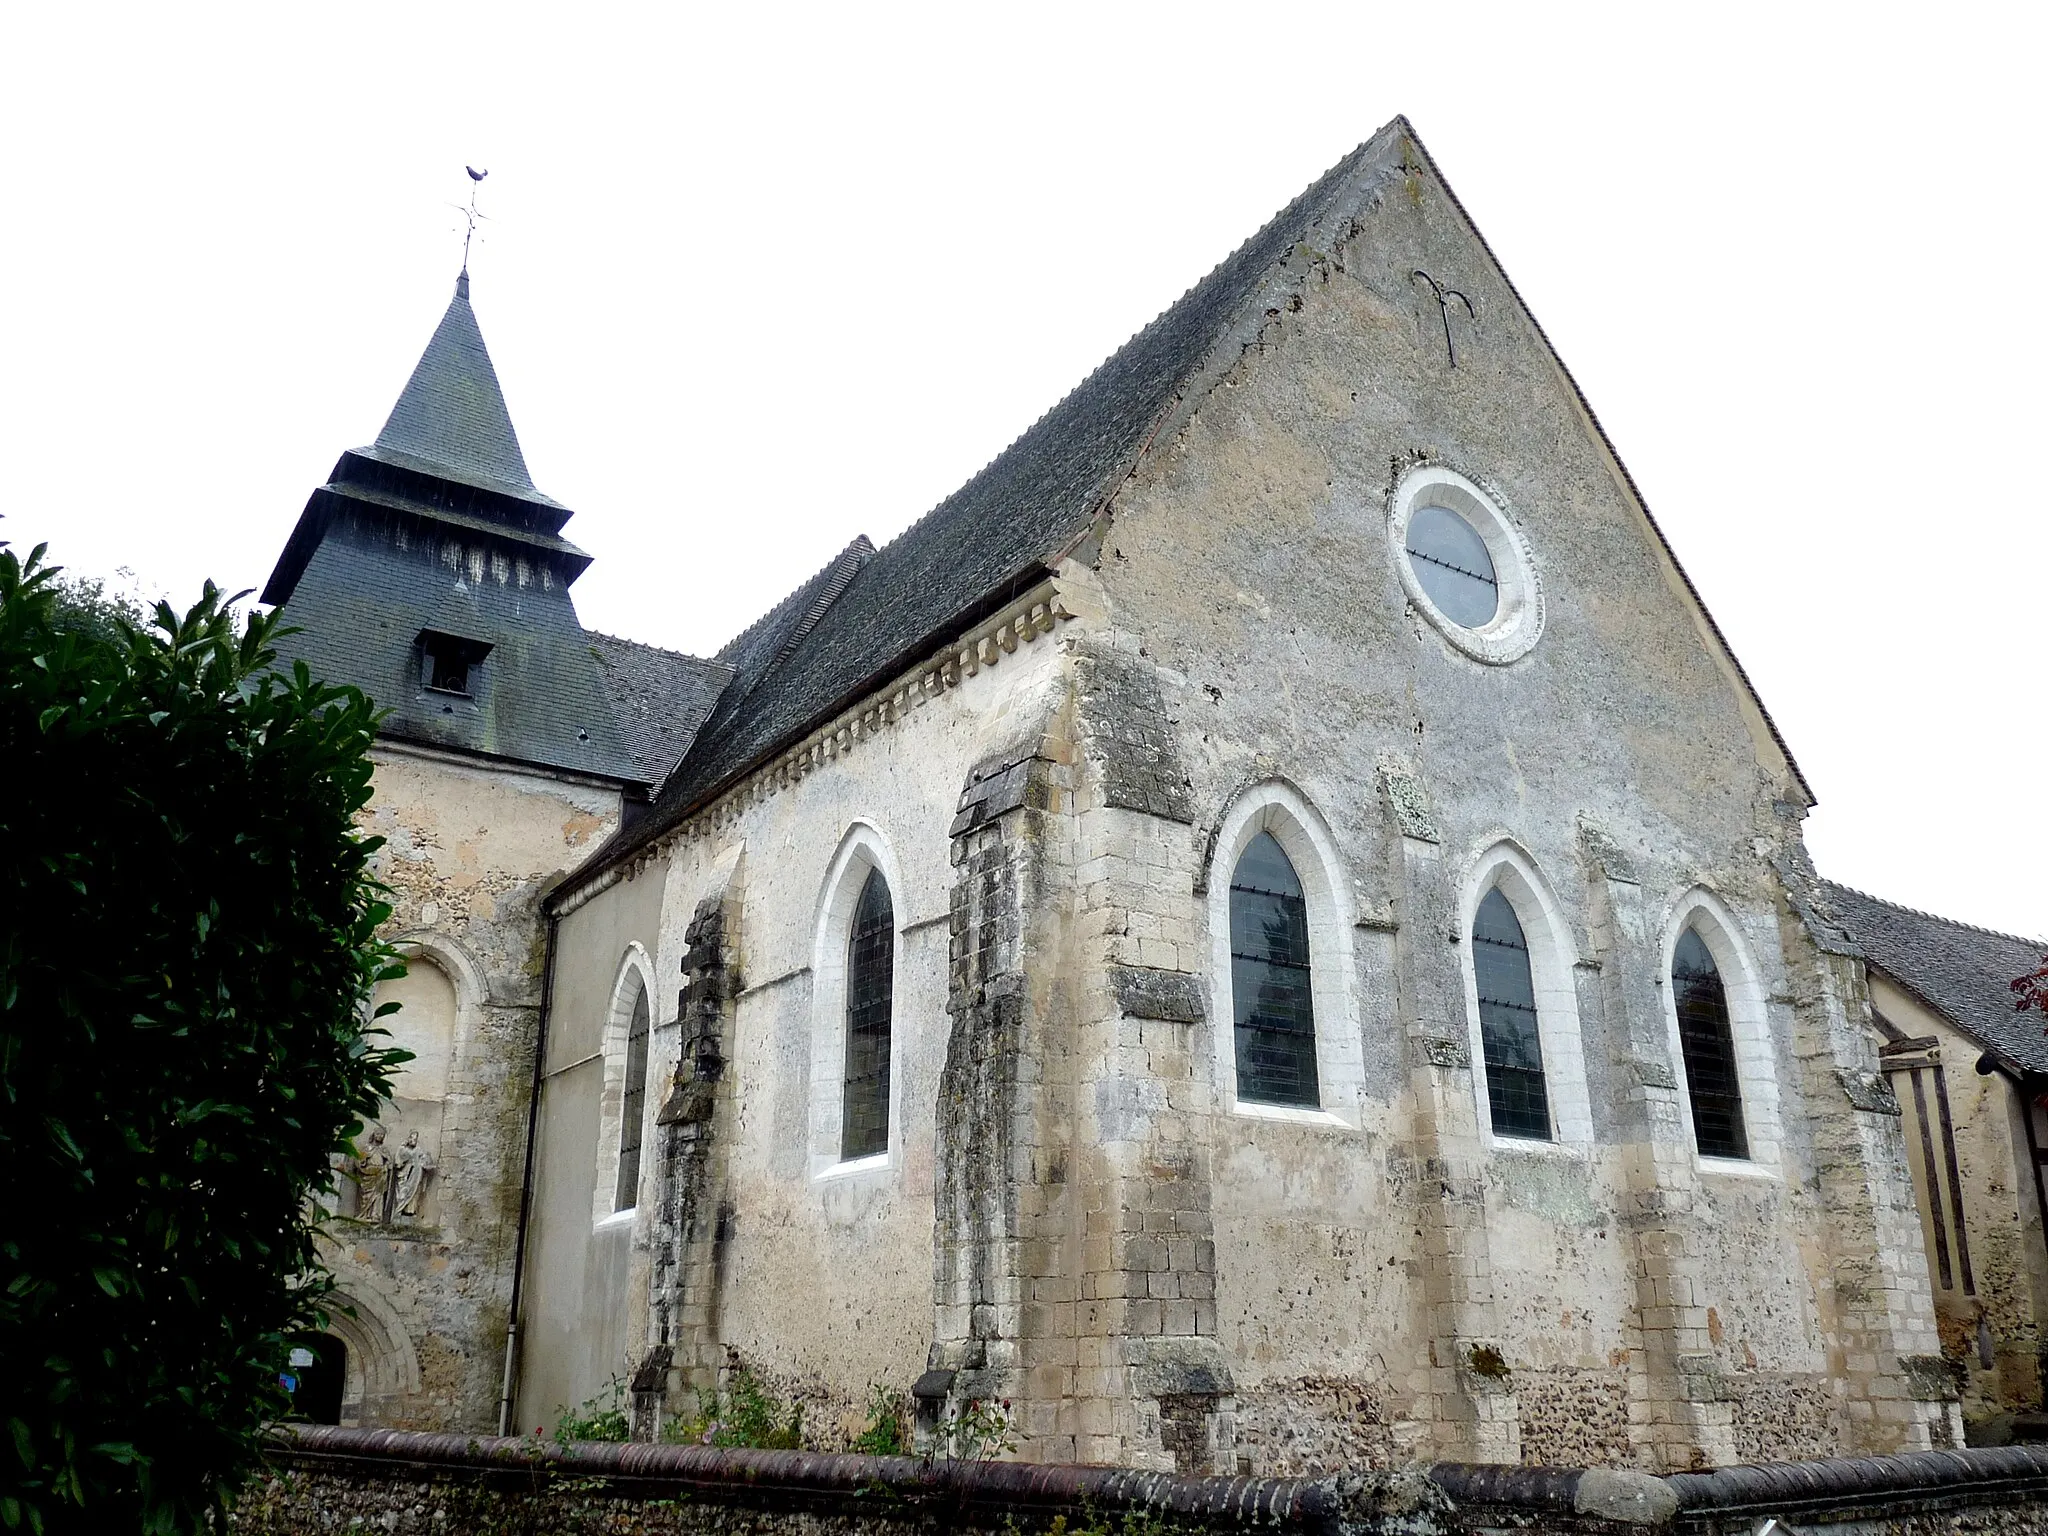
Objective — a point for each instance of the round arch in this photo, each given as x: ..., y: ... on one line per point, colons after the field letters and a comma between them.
x: 383, y: 1367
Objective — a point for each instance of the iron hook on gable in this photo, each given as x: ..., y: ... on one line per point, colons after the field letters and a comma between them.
x: 1443, y: 304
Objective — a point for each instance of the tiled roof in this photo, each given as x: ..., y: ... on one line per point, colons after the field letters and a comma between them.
x: 1963, y: 973
x: 659, y: 698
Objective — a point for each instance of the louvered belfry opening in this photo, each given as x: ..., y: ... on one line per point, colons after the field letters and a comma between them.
x: 1270, y: 980
x: 1513, y: 1045
x: 633, y: 1107
x: 870, y: 986
x: 1708, y: 1042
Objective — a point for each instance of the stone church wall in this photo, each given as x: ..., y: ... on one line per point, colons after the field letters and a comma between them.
x: 468, y: 851
x: 819, y: 1277
x: 1075, y: 1216
x: 582, y: 1289
x: 1613, y: 1297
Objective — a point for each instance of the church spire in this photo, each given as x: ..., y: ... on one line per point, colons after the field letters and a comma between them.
x: 451, y: 419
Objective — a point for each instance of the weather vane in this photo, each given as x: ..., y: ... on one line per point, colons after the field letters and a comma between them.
x: 1443, y: 303
x: 475, y: 181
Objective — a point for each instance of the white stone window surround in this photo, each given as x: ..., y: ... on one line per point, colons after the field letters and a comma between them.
x: 1748, y: 1021
x: 1278, y: 807
x: 861, y: 850
x: 1518, y: 625
x: 635, y: 975
x: 1553, y: 956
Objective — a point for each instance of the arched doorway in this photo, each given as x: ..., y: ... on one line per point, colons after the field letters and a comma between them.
x: 316, y: 1372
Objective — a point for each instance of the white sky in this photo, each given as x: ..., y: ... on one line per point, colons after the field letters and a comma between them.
x: 760, y: 278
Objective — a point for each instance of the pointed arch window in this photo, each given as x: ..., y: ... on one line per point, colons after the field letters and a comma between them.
x: 1272, y: 999
x: 633, y: 1105
x: 1517, y: 1098
x: 870, y: 988
x: 1706, y: 1039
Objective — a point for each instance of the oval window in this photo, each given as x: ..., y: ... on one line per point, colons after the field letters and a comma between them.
x: 1449, y: 559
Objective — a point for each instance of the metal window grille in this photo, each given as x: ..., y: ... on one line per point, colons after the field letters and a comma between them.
x: 1449, y: 558
x: 870, y: 984
x: 1708, y: 1043
x: 1513, y: 1044
x: 633, y: 1108
x: 1269, y: 979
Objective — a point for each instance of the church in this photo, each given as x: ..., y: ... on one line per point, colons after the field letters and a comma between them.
x: 1267, y: 931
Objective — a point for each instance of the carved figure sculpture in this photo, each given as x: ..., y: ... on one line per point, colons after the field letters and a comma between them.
x: 373, y: 1180
x: 413, y: 1164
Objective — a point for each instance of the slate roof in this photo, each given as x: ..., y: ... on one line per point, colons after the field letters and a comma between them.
x: 437, y: 526
x: 659, y: 698
x: 1961, y: 972
x: 988, y: 541
x: 999, y: 533
x: 450, y: 419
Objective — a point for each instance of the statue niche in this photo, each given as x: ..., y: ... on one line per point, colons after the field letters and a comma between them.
x: 395, y: 1171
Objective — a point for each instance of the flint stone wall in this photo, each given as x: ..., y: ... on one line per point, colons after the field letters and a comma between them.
x: 326, y: 1480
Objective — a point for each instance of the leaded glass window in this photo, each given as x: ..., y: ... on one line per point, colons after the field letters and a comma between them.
x: 1708, y: 1043
x: 1449, y: 558
x: 633, y: 1108
x: 1513, y: 1046
x: 870, y: 985
x: 1269, y: 979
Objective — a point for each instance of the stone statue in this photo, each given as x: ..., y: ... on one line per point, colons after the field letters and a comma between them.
x: 413, y: 1164
x: 373, y: 1180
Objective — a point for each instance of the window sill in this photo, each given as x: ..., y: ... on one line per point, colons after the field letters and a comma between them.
x: 1533, y: 1146
x: 616, y: 1219
x: 1737, y: 1167
x: 876, y: 1163
x: 1290, y: 1114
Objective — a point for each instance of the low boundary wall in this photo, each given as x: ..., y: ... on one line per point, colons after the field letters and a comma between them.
x: 327, y: 1480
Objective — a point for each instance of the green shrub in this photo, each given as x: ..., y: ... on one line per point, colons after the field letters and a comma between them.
x: 188, y: 941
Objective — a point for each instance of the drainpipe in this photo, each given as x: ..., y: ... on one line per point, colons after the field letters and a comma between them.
x: 540, y: 1056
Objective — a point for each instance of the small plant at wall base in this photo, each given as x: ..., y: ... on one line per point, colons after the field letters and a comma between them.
x: 188, y: 943
x: 979, y: 1431
x: 747, y: 1417
x: 888, y: 1411
x: 603, y: 1417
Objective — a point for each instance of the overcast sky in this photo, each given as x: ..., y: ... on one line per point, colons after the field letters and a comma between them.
x: 760, y: 278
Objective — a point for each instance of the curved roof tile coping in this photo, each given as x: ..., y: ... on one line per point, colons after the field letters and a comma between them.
x: 1323, y: 1506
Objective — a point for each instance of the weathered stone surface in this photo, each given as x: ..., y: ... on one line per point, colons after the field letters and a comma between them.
x: 1143, y: 992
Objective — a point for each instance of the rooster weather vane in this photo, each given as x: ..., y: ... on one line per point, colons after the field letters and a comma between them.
x: 1443, y: 303
x: 475, y: 183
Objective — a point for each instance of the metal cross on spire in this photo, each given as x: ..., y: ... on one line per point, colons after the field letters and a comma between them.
x: 470, y: 213
x: 1443, y: 303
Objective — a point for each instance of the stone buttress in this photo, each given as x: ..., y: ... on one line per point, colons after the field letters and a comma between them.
x: 692, y: 1214
x: 1462, y: 1389
x: 1678, y: 1417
